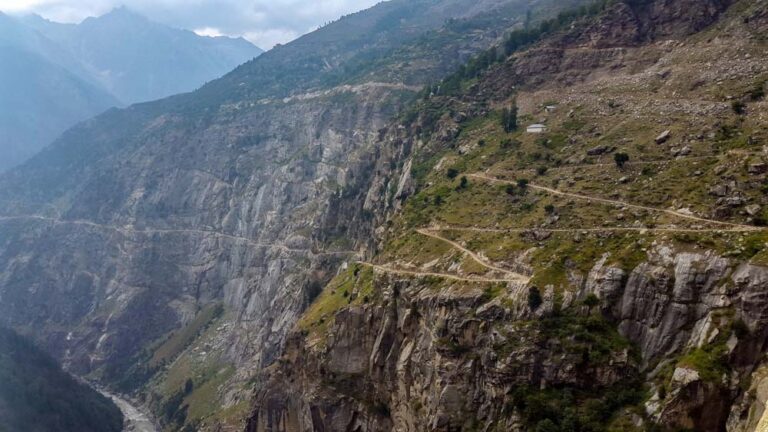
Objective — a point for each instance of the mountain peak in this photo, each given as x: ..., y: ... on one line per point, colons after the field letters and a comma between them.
x: 121, y: 13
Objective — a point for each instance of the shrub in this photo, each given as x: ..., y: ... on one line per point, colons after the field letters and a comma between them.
x: 621, y: 159
x: 541, y: 170
x: 509, y: 119
x: 547, y: 425
x: 757, y: 92
x: 591, y: 301
x: 534, y: 298
x: 522, y: 183
x: 463, y: 183
x: 509, y: 143
x: 739, y: 107
x: 452, y: 173
x: 549, y: 208
x: 188, y: 386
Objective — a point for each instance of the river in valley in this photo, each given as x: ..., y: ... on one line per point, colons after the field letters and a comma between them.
x: 136, y: 420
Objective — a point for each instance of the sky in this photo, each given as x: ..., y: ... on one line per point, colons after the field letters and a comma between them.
x: 263, y: 22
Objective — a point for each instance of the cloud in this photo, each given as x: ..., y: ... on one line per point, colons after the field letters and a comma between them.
x: 263, y: 22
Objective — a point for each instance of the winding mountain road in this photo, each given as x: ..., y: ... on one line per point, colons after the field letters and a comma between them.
x: 125, y: 230
x: 619, y: 203
x: 477, y: 258
x: 596, y: 229
x: 386, y: 269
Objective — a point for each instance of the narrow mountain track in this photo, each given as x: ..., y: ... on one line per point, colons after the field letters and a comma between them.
x: 640, y: 162
x: 477, y: 258
x: 627, y: 164
x: 587, y: 230
x: 390, y: 270
x: 151, y: 231
x: 619, y: 203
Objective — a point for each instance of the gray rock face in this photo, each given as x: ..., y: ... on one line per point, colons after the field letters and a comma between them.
x: 404, y: 367
x: 250, y: 192
x: 225, y: 218
x: 665, y: 296
x: 404, y: 354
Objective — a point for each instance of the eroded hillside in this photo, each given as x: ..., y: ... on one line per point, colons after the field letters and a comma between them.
x: 608, y: 274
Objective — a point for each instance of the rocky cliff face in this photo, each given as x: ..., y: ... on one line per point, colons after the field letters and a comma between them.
x: 421, y: 359
x: 119, y: 242
x: 619, y: 318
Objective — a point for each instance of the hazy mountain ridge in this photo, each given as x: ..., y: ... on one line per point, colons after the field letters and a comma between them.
x: 138, y: 60
x: 60, y: 74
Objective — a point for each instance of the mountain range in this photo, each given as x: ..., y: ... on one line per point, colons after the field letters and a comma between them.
x: 56, y: 75
x: 357, y: 231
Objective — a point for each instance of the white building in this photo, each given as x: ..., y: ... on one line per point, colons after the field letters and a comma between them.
x: 536, y: 128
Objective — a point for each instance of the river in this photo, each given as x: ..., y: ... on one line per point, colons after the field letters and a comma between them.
x: 135, y: 419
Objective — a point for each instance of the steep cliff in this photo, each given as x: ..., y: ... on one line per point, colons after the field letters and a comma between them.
x: 167, y: 249
x: 608, y: 274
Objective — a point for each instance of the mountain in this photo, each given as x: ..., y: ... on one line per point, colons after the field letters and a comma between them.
x: 607, y: 274
x: 37, y: 396
x: 355, y: 231
x: 134, y: 227
x: 57, y: 75
x: 43, y: 92
x: 138, y: 60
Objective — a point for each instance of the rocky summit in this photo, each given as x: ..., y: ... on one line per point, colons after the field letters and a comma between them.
x: 432, y: 215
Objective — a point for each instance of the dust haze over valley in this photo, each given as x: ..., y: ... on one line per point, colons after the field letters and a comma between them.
x: 426, y: 215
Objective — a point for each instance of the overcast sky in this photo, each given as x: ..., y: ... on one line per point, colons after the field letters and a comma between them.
x: 263, y: 22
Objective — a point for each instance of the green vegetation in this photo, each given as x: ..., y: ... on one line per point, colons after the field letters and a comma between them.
x: 571, y: 409
x: 509, y: 119
x: 516, y: 41
x: 621, y: 159
x: 37, y: 396
x: 591, y: 342
x: 179, y: 340
x: 534, y: 298
x: 353, y: 286
x: 739, y: 107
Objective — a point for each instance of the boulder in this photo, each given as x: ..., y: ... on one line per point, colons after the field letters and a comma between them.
x: 753, y: 210
x: 758, y: 168
x: 600, y: 150
x: 664, y: 137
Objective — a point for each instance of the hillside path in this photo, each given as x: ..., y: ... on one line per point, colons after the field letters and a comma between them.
x: 386, y: 269
x: 586, y: 230
x: 477, y: 258
x: 129, y: 230
x: 619, y: 203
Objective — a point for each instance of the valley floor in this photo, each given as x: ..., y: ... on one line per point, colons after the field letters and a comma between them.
x: 136, y: 420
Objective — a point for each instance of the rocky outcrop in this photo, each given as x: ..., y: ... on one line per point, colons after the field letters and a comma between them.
x: 425, y: 360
